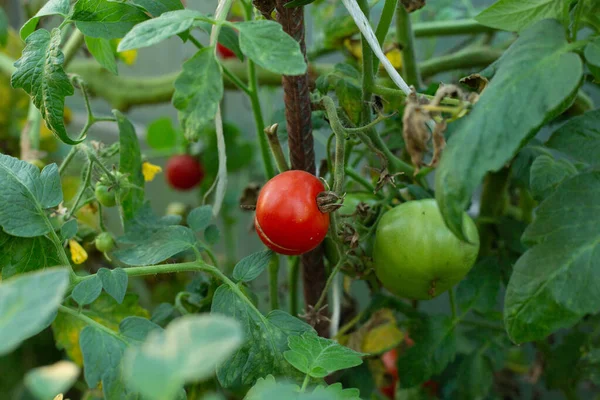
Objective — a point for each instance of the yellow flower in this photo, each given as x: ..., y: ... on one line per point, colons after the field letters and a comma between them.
x: 78, y: 253
x: 395, y: 57
x: 150, y: 170
x: 59, y: 397
x: 127, y: 56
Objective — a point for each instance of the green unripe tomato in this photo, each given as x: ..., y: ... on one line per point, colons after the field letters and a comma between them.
x: 105, y: 195
x: 416, y: 256
x: 104, y: 242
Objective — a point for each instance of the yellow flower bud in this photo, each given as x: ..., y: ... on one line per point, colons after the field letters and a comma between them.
x: 78, y: 253
x: 150, y: 170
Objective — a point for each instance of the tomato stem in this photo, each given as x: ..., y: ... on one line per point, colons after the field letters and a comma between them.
x: 274, y: 282
x: 406, y: 39
x: 294, y: 272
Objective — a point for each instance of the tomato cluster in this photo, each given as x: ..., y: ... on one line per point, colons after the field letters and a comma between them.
x: 288, y: 219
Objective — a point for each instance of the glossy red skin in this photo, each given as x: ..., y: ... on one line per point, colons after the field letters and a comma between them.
x: 224, y: 52
x: 288, y: 220
x: 184, y: 172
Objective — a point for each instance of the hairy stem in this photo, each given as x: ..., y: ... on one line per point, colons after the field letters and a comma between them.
x: 274, y: 282
x: 405, y: 38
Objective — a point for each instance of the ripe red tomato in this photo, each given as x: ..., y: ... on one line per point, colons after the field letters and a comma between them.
x: 184, y: 172
x: 389, y: 391
x: 389, y: 361
x: 288, y: 220
x: 416, y: 256
x: 224, y: 52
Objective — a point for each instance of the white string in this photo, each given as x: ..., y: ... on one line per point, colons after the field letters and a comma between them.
x: 365, y: 28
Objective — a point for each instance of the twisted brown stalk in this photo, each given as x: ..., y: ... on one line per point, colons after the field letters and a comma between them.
x: 302, y: 155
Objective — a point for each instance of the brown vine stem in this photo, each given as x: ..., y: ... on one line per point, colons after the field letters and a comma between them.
x: 302, y: 155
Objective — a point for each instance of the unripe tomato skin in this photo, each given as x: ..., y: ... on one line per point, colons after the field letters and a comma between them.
x: 416, y: 256
x: 184, y: 172
x: 288, y: 220
x: 105, y: 195
x: 224, y: 52
x: 104, y: 242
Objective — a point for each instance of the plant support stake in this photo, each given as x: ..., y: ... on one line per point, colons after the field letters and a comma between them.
x: 302, y: 155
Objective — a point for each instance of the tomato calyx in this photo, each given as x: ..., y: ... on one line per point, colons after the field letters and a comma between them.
x: 329, y: 201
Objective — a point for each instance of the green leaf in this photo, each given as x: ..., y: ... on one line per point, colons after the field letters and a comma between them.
x: 298, y: 3
x: 3, y: 28
x: 212, y: 234
x: 198, y: 91
x: 158, y: 7
x: 102, y: 353
x: 547, y: 173
x: 103, y: 52
x: 319, y: 357
x: 189, y: 350
x: 146, y: 224
x: 130, y: 164
x: 52, y: 7
x: 114, y: 282
x: 160, y: 246
x: 87, y: 290
x: 161, y: 135
x: 516, y: 103
x: 591, y: 14
x: 265, y: 43
x: 269, y: 388
x: 28, y: 304
x: 592, y: 56
x: 40, y: 73
x: 230, y: 39
x: 579, y: 138
x: 479, y: 290
x: 105, y: 310
x: 20, y: 255
x: 554, y: 283
x: 430, y: 355
x: 475, y: 376
x: 266, y: 339
x: 514, y: 15
x: 199, y: 218
x: 562, y: 362
x: 250, y: 267
x: 26, y: 194
x: 69, y: 229
x: 156, y: 30
x: 137, y: 329
x: 350, y: 99
x: 106, y: 19
x: 46, y: 382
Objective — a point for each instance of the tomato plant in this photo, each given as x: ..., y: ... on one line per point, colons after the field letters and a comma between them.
x: 288, y: 219
x: 346, y: 174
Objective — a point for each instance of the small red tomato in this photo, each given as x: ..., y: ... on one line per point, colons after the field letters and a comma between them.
x: 184, y: 172
x: 288, y: 220
x: 224, y: 52
x: 389, y: 361
x: 389, y: 391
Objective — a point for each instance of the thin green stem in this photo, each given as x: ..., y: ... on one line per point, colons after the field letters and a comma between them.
x: 61, y: 251
x: 34, y: 118
x: 209, y: 252
x: 275, y: 145
x: 359, y: 179
x: 452, y: 303
x: 387, y: 15
x: 405, y: 38
x: 368, y: 78
x: 305, y: 383
x: 448, y: 28
x: 72, y: 46
x: 256, y: 109
x: 340, y: 139
x: 293, y: 274
x: 84, y: 185
x: 88, y: 321
x: 274, y: 282
x: 323, y: 297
